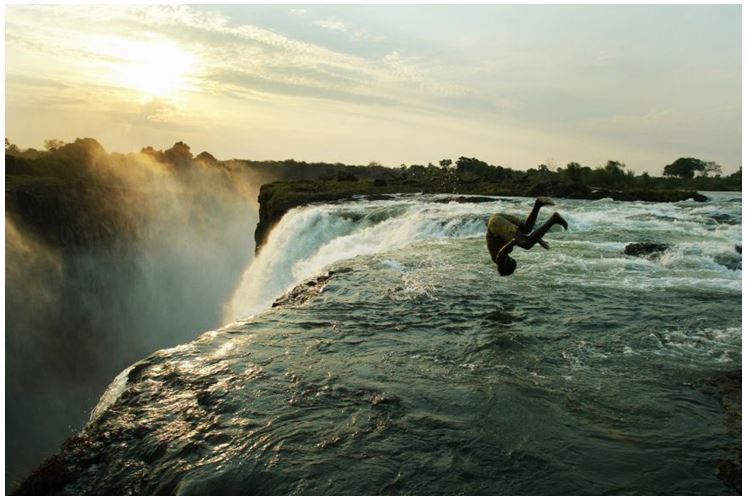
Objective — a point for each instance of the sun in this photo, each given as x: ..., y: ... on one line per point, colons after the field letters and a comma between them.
x: 153, y: 69
x: 159, y: 70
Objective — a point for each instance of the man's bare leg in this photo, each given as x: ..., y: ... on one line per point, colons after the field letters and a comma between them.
x: 527, y: 241
x: 531, y: 219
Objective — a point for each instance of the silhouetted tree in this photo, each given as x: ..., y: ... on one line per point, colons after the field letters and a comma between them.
x: 53, y: 144
x: 11, y: 149
x: 572, y: 172
x: 684, y: 168
x: 615, y: 168
x: 178, y: 155
x: 711, y: 167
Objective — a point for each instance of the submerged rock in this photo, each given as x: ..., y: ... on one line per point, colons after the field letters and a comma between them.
x: 640, y: 249
x: 308, y: 289
x: 727, y: 387
x: 724, y: 219
x: 731, y: 261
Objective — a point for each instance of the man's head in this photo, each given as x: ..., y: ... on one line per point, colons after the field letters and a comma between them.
x: 508, y: 267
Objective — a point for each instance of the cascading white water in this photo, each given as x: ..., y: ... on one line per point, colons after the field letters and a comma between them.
x: 308, y: 239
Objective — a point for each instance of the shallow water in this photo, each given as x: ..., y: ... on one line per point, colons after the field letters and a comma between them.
x: 418, y: 370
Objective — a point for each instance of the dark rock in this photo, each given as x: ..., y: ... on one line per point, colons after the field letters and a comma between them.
x: 731, y: 261
x: 727, y: 387
x: 700, y: 197
x: 639, y: 249
x: 308, y: 289
x: 467, y: 199
x: 382, y: 398
x: 730, y: 470
x: 738, y: 248
x: 724, y: 219
x: 562, y: 190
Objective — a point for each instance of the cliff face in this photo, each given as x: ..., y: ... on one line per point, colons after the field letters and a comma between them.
x: 108, y: 258
x: 277, y: 198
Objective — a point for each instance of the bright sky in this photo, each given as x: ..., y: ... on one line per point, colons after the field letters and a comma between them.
x: 511, y: 85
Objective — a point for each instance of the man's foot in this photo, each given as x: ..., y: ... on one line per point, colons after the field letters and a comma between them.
x: 544, y: 244
x: 557, y: 219
x: 543, y: 200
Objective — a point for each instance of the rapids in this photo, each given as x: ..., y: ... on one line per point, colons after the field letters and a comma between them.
x: 416, y: 369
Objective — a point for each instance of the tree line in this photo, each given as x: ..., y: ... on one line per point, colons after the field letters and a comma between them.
x: 682, y: 173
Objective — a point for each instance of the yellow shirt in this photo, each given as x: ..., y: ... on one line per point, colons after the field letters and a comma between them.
x: 503, y: 226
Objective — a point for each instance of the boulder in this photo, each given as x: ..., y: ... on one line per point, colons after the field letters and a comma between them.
x: 731, y: 261
x: 641, y: 249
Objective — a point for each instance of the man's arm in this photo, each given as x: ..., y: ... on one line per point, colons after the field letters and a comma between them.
x: 504, y: 251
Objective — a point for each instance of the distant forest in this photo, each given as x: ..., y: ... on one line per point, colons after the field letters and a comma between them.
x: 62, y: 163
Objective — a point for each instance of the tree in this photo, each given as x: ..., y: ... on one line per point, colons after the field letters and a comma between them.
x: 474, y: 168
x: 11, y: 149
x: 417, y: 171
x: 445, y: 164
x: 573, y: 172
x: 711, y: 167
x: 684, y: 168
x: 178, y: 155
x: 615, y: 168
x: 52, y: 144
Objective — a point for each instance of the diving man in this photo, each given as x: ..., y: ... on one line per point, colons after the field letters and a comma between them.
x: 505, y: 231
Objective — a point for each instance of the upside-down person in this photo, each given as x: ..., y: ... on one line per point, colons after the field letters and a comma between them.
x: 506, y: 231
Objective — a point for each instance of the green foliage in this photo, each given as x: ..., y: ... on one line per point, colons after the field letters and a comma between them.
x: 684, y: 168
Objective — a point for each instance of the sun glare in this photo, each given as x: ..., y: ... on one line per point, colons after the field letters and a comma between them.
x: 155, y: 69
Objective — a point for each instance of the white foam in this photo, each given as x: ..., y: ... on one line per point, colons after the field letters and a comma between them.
x: 311, y: 238
x: 711, y: 343
x: 112, y: 393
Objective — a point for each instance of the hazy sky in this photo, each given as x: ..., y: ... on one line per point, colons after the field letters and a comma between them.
x: 511, y: 85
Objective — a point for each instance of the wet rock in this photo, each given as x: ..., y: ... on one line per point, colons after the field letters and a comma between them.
x: 738, y: 248
x: 729, y: 260
x: 724, y: 219
x: 382, y: 398
x: 642, y: 249
x: 727, y: 387
x: 730, y: 470
x: 467, y: 199
x: 308, y: 289
x: 562, y: 190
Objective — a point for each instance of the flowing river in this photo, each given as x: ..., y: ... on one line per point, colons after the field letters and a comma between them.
x: 413, y: 368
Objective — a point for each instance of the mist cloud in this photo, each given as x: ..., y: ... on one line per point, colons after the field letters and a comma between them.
x: 110, y: 257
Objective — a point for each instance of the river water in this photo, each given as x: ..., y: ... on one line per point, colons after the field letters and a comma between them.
x: 416, y: 369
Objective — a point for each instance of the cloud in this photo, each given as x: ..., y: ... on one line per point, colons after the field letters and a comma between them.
x: 332, y: 24
x: 271, y: 62
x: 34, y: 81
x: 298, y: 12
